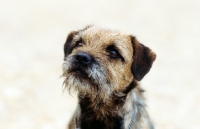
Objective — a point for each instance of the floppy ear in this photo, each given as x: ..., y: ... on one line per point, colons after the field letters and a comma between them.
x: 143, y: 59
x: 68, y: 43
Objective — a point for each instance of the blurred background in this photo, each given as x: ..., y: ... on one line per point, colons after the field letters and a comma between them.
x: 32, y: 34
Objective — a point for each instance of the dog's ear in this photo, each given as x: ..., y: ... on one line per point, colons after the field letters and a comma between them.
x: 68, y: 43
x: 143, y: 59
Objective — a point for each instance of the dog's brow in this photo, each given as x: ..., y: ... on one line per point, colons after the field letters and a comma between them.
x: 78, y: 37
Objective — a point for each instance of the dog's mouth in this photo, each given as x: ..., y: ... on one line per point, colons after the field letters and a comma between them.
x: 78, y: 72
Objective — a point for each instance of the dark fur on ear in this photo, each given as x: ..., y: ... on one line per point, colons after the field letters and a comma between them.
x: 67, y: 45
x: 143, y: 59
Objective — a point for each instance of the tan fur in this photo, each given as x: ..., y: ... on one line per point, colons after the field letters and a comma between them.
x: 111, y: 76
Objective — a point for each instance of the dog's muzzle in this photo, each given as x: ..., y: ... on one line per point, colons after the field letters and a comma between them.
x: 82, y: 62
x: 82, y: 69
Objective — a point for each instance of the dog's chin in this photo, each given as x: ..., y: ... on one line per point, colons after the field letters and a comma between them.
x: 79, y: 77
x: 78, y: 81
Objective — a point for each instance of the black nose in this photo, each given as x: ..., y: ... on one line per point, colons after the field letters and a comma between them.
x: 83, y: 58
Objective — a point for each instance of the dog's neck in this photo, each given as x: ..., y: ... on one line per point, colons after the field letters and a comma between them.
x: 96, y: 113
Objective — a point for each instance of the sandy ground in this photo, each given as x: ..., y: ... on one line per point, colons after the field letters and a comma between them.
x: 32, y: 34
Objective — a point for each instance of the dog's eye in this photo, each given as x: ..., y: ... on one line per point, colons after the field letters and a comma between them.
x: 113, y: 53
x: 78, y: 44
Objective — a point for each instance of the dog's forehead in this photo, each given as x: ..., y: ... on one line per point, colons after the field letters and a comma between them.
x: 104, y: 36
x: 101, y: 37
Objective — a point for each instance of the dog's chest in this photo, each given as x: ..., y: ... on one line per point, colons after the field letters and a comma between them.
x: 107, y: 123
x: 100, y: 116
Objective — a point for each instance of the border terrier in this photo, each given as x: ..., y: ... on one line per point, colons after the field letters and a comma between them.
x: 104, y: 67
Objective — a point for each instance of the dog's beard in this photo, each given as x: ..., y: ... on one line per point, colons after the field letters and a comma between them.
x: 93, y: 82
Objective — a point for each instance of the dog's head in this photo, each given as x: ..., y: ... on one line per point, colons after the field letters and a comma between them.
x: 104, y: 61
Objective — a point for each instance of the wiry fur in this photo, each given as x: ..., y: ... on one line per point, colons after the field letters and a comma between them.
x: 107, y: 88
x: 95, y: 73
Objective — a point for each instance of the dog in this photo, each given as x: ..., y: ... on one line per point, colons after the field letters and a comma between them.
x: 104, y: 66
